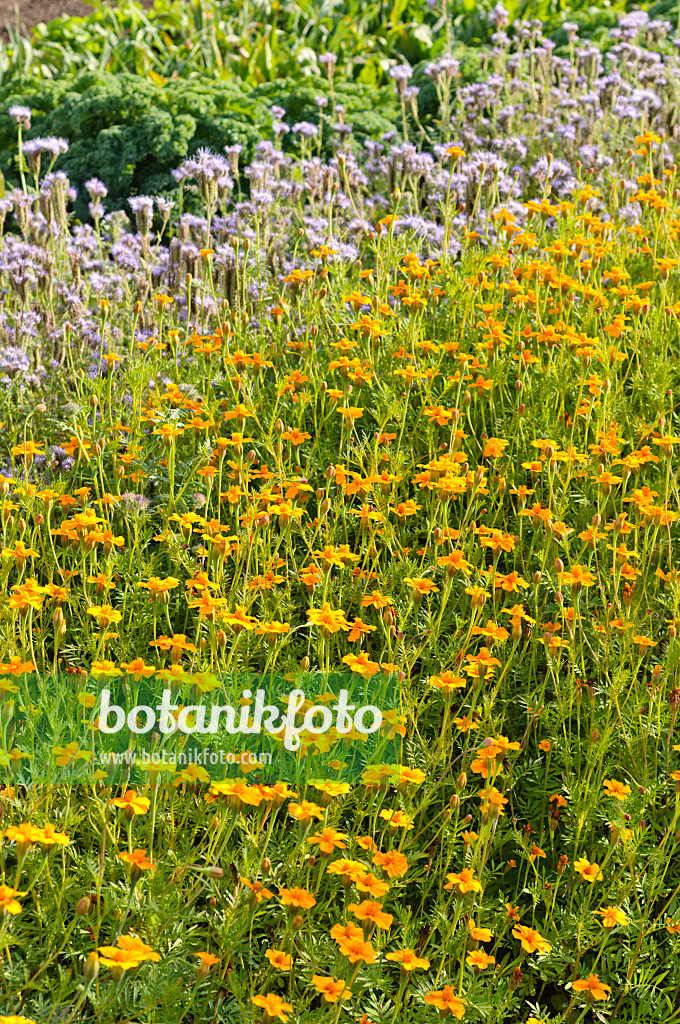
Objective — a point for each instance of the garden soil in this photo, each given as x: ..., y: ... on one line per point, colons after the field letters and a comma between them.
x: 30, y: 12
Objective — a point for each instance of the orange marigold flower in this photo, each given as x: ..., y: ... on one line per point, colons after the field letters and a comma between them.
x: 138, y: 859
x: 273, y: 1006
x: 446, y: 1001
x: 531, y: 940
x: 328, y: 839
x: 372, y: 912
x: 305, y: 812
x: 132, y: 803
x: 593, y: 988
x: 331, y: 989
x: 409, y: 960
x: 393, y: 863
x: 298, y: 898
x: 278, y: 959
x: 463, y: 881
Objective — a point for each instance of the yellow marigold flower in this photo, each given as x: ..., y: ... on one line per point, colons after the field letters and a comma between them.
x: 409, y: 960
x: 463, y: 881
x: 616, y: 789
x: 23, y: 835
x: 9, y: 903
x: 611, y: 916
x: 132, y: 803
x: 589, y: 872
x: 105, y: 615
x: 477, y: 595
x: 447, y: 682
x: 398, y: 819
x: 347, y: 869
x: 403, y: 776
x: 421, y: 587
x: 480, y: 960
x: 104, y: 670
x: 331, y: 789
x: 129, y: 953
x: 271, y: 630
x: 48, y: 836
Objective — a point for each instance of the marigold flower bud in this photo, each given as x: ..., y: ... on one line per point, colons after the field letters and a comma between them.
x: 83, y: 906
x: 91, y: 967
